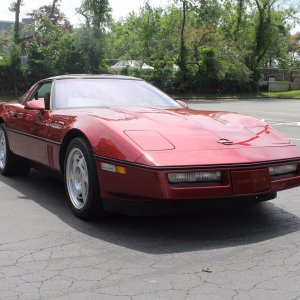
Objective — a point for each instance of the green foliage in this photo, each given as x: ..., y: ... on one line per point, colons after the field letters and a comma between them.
x: 96, y: 12
x: 68, y: 59
x: 294, y: 50
x: 142, y: 31
x: 92, y: 39
x: 40, y: 65
x: 11, y: 75
x: 123, y: 40
x: 163, y: 74
x: 283, y: 95
x: 208, y: 68
x: 53, y: 13
x: 92, y: 46
x: 53, y: 52
x: 41, y: 51
x: 218, y: 46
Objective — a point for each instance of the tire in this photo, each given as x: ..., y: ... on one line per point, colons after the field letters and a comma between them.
x: 81, y: 180
x: 266, y: 197
x: 10, y: 164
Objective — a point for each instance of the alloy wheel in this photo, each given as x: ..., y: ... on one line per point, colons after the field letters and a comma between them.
x: 3, y: 150
x: 77, y: 178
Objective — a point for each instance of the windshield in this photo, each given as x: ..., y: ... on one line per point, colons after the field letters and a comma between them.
x: 102, y: 92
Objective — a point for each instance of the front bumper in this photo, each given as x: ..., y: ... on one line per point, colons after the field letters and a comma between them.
x: 147, y: 184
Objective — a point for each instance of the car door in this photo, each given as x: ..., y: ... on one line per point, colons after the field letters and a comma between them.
x: 30, y: 127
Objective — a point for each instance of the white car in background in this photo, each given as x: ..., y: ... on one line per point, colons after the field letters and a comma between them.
x: 131, y: 64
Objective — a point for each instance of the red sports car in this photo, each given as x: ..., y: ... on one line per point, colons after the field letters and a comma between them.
x: 122, y: 145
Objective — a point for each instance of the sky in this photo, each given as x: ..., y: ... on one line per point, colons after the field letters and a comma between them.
x: 120, y: 8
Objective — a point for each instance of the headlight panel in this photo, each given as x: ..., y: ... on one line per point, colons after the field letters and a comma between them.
x: 195, y: 177
x: 282, y: 170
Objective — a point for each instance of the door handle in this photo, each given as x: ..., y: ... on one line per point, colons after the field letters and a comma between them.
x: 15, y: 114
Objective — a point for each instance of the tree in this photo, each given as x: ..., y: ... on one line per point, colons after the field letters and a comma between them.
x: 15, y: 7
x: 93, y: 49
x: 54, y: 2
x: 41, y: 52
x: 98, y: 17
x: 67, y: 59
x: 97, y: 13
x: 262, y: 35
x: 182, y: 59
x: 259, y: 30
x: 294, y: 49
x: 203, y: 24
x: 123, y: 40
x: 148, y: 27
x: 11, y: 74
x: 53, y: 52
x: 270, y: 36
x: 53, y: 13
x: 168, y: 35
x: 217, y: 45
x: 14, y: 61
x: 182, y: 56
x: 240, y: 16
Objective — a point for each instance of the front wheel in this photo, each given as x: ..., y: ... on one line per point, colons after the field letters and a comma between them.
x: 10, y: 164
x: 81, y: 180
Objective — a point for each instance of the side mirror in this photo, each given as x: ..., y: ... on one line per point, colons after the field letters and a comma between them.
x: 182, y: 103
x: 35, y: 105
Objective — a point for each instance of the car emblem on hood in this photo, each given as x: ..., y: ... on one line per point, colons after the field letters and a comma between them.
x: 225, y: 142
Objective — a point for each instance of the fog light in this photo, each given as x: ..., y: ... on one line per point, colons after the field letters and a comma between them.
x: 193, y: 177
x: 113, y: 168
x: 108, y: 167
x: 281, y: 170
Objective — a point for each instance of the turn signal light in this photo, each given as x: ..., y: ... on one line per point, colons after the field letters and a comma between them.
x: 121, y: 170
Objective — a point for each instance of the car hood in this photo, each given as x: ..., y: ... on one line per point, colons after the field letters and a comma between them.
x: 189, y: 130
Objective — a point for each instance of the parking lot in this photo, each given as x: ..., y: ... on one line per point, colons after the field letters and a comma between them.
x: 238, y: 252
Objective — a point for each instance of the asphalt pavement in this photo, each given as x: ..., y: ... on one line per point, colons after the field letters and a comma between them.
x: 236, y: 252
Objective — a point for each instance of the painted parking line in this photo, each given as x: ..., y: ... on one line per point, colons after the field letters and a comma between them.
x: 272, y: 112
x: 281, y: 122
x: 287, y: 124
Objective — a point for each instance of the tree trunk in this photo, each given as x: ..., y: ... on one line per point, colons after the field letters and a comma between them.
x: 53, y: 9
x: 182, y: 51
x: 17, y: 21
x: 239, y: 10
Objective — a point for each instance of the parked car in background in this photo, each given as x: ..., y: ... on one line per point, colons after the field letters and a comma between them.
x: 131, y: 64
x: 124, y: 146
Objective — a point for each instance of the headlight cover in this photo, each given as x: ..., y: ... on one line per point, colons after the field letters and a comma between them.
x: 281, y: 170
x: 195, y: 177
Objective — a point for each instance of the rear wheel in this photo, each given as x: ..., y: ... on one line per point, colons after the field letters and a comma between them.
x: 10, y: 164
x: 81, y: 180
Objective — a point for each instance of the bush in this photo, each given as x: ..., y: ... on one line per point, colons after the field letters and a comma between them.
x: 12, y: 77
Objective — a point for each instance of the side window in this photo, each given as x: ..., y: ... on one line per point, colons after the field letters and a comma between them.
x: 43, y: 93
x: 43, y: 90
